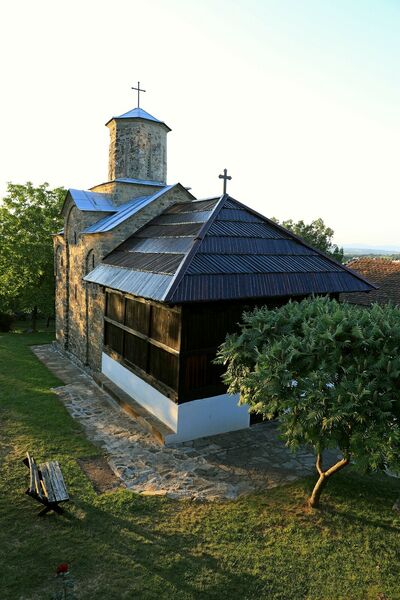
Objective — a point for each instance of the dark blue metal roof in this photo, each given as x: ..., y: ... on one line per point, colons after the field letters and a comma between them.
x: 231, y: 287
x: 255, y: 230
x: 246, y: 263
x: 243, y: 245
x: 219, y: 249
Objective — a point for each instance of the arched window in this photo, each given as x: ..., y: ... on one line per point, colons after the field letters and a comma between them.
x: 58, y: 261
x: 70, y: 226
x: 89, y: 261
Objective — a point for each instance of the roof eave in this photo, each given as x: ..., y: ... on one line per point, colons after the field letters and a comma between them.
x: 168, y: 129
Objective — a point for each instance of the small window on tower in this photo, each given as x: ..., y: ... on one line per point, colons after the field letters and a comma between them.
x: 75, y: 237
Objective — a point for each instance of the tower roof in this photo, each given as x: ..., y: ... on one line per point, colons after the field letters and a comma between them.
x: 139, y: 113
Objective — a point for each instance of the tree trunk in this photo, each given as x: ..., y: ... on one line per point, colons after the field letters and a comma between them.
x: 34, y: 318
x: 313, y: 500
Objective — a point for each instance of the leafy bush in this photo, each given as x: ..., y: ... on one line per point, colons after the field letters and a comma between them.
x: 330, y: 371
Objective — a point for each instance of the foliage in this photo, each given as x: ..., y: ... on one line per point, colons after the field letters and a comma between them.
x: 28, y: 217
x: 330, y: 371
x: 123, y: 545
x: 317, y: 234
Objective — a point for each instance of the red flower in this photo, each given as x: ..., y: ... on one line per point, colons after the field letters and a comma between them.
x: 62, y: 568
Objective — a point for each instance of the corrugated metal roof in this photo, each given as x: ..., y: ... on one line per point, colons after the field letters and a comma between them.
x: 146, y: 285
x: 256, y: 230
x: 233, y: 263
x: 92, y: 201
x: 231, y: 253
x: 124, y: 211
x: 200, y: 205
x: 163, y: 245
x: 243, y: 245
x: 196, y: 288
x: 181, y: 230
x: 199, y: 216
x: 228, y: 214
x: 146, y: 261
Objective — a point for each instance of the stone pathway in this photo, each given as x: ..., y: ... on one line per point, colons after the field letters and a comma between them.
x: 224, y: 466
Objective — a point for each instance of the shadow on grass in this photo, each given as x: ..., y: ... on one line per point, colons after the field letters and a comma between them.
x: 169, y: 563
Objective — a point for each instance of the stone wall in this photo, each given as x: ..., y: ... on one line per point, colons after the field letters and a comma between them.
x: 79, y: 305
x: 60, y: 287
x: 105, y: 242
x: 138, y: 150
x: 122, y: 192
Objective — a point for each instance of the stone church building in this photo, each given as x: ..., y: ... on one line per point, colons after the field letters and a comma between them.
x: 149, y: 280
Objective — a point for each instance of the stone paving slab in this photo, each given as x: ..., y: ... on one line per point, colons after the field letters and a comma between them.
x: 224, y: 466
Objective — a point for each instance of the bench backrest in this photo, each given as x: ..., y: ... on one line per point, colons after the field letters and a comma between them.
x: 35, y: 485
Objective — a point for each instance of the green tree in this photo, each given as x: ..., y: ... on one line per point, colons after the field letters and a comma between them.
x: 28, y: 217
x: 330, y: 372
x: 317, y: 234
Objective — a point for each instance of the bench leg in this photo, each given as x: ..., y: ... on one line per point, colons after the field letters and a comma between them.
x: 50, y: 507
x: 44, y: 511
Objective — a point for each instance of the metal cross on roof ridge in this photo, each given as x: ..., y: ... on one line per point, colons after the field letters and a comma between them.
x: 225, y: 177
x: 138, y: 93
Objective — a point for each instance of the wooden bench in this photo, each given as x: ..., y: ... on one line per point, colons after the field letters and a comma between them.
x: 46, y: 485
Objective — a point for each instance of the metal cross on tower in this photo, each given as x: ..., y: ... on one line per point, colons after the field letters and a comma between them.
x: 138, y: 93
x: 225, y: 177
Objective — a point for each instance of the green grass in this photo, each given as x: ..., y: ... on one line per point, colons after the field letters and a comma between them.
x: 121, y: 545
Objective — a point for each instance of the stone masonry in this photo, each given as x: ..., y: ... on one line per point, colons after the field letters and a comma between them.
x: 80, y: 305
x: 138, y: 151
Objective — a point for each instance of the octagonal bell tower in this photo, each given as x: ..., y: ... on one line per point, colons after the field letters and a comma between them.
x: 138, y: 147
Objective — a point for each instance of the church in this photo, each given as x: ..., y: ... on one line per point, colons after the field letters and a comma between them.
x: 149, y: 280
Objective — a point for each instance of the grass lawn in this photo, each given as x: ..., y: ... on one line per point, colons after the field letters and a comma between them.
x: 121, y: 545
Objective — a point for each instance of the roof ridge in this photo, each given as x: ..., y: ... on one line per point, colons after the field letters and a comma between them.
x: 183, y: 267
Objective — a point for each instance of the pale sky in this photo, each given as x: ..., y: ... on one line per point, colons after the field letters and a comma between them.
x: 299, y: 99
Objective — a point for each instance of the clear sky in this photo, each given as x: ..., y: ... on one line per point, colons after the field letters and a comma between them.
x: 299, y: 99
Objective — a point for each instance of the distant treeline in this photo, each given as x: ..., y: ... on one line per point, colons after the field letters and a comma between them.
x: 395, y: 256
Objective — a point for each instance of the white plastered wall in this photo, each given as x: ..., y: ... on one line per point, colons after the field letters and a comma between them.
x: 191, y: 420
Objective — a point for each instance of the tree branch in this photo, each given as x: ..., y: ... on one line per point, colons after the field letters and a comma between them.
x: 337, y: 466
